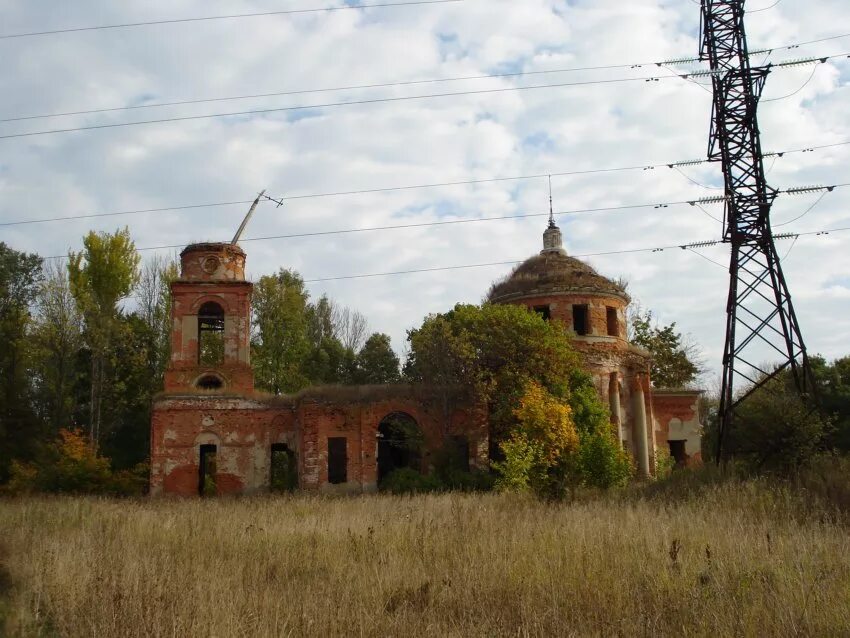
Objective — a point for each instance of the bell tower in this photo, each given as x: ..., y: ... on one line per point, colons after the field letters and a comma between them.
x: 210, y: 321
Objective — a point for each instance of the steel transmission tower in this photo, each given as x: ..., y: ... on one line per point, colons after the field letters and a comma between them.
x: 759, y: 309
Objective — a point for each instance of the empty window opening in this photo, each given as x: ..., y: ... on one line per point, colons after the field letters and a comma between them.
x: 284, y: 469
x: 677, y: 451
x: 613, y: 324
x: 544, y: 312
x: 337, y: 460
x: 400, y: 444
x: 580, y: 319
x: 460, y: 452
x: 210, y: 334
x: 207, y: 471
x: 209, y: 382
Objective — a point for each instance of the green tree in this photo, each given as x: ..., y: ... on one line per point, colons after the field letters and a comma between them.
x: 101, y: 275
x: 154, y: 309
x: 280, y: 343
x: 774, y: 430
x: 20, y: 274
x: 540, y: 444
x: 321, y: 319
x: 492, y: 354
x: 674, y: 363
x: 833, y: 381
x: 377, y: 362
x: 132, y: 377
x: 329, y: 362
x: 56, y: 337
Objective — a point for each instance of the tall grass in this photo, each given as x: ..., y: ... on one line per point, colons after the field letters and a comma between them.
x: 741, y: 559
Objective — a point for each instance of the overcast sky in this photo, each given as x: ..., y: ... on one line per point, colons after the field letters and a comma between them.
x: 413, y: 142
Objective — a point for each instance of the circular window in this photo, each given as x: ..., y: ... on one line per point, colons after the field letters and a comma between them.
x: 210, y: 265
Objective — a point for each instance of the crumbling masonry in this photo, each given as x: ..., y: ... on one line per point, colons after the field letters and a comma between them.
x: 211, y: 432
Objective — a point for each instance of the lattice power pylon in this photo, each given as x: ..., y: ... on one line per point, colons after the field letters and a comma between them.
x: 759, y: 309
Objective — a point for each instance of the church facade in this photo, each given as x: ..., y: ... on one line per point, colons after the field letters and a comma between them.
x: 212, y: 432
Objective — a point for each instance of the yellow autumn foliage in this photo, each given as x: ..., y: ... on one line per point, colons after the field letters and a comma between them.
x: 547, y: 422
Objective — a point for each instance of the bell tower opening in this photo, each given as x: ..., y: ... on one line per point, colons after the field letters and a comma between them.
x: 211, y: 334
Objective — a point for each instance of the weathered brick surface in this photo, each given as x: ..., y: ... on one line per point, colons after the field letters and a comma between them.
x: 677, y: 419
x: 244, y: 430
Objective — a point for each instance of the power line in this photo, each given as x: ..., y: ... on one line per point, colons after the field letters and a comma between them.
x: 654, y: 249
x: 128, y: 25
x: 803, y: 86
x: 328, y: 105
x: 764, y: 8
x: 629, y: 65
x: 345, y: 231
x: 369, y: 101
x: 489, y: 180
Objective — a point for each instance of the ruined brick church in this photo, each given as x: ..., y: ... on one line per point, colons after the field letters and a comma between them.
x: 211, y: 432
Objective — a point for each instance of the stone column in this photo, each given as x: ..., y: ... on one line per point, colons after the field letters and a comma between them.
x: 641, y: 433
x: 614, y: 404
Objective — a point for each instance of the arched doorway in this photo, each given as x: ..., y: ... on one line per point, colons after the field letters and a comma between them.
x: 283, y: 475
x: 400, y: 443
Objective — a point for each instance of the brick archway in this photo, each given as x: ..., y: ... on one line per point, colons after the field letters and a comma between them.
x: 400, y: 443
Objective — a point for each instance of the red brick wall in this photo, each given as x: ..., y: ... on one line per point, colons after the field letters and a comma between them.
x: 244, y: 430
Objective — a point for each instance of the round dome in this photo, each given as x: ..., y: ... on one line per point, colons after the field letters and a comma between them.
x: 553, y: 272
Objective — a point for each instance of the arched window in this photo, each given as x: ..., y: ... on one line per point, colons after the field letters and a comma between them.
x: 210, y: 334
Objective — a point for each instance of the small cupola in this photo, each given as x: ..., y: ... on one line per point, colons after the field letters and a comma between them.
x: 552, y: 240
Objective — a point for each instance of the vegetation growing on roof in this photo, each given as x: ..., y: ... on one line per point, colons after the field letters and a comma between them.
x: 553, y: 272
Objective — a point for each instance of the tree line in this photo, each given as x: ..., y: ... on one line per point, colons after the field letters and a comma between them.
x: 85, y: 344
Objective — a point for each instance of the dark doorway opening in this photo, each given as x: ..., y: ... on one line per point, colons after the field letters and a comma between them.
x: 460, y: 452
x: 399, y: 444
x: 210, y: 334
x: 207, y: 471
x: 580, y: 319
x: 677, y: 451
x: 284, y: 469
x: 337, y: 460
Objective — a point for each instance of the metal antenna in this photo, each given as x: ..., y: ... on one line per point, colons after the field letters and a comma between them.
x: 551, y: 209
x: 247, y: 217
x: 759, y: 313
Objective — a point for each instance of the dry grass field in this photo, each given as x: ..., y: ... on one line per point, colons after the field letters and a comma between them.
x: 741, y: 559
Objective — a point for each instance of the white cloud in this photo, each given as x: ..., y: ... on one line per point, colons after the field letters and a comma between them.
x: 421, y: 141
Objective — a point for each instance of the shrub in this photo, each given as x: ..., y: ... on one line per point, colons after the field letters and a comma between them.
x: 664, y: 463
x: 602, y: 462
x: 522, y: 460
x: 828, y: 477
x: 408, y: 481
x: 70, y: 465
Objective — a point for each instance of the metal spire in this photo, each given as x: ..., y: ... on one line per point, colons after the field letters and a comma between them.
x: 247, y: 217
x: 551, y: 209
